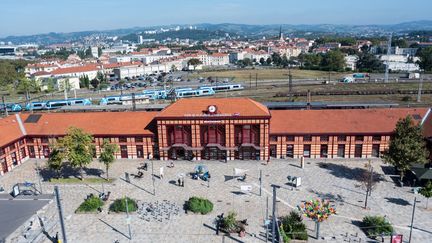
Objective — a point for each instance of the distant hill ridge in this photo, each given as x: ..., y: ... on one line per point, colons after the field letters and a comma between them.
x: 233, y: 29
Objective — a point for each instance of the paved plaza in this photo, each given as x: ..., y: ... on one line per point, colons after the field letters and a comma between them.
x: 335, y: 180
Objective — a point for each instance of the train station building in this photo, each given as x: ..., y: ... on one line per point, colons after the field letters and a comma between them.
x: 212, y: 129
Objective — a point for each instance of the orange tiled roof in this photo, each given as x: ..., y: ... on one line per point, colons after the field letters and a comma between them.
x: 121, y: 64
x: 9, y: 130
x: 96, y: 123
x: 339, y: 121
x: 77, y: 69
x: 242, y: 107
x: 427, y: 125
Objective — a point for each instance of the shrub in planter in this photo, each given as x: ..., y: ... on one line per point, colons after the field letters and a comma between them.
x: 293, y: 226
x: 376, y: 225
x: 119, y: 205
x: 199, y: 205
x: 90, y: 205
x: 229, y: 223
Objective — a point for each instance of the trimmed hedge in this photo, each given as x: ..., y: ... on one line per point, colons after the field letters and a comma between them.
x: 90, y: 205
x: 374, y: 226
x: 199, y: 205
x: 119, y: 205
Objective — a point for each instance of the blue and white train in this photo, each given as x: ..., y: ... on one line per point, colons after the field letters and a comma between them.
x: 225, y: 87
x: 122, y: 99
x: 189, y: 92
x: 156, y: 94
x: 55, y: 104
x: 11, y: 107
x: 36, y: 106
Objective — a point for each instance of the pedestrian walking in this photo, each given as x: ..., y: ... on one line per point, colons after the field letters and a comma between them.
x: 161, y: 172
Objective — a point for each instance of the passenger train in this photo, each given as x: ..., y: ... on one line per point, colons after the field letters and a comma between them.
x: 224, y: 87
x: 189, y: 92
x: 123, y: 99
x: 11, y: 107
x: 56, y: 104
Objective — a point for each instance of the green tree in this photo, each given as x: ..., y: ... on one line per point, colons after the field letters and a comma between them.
x: 333, y: 60
x: 268, y: 61
x: 101, y: 77
x: 369, y: 63
x: 84, y: 81
x: 99, y: 51
x: 95, y: 83
x: 285, y: 61
x: 107, y: 155
x: 194, y: 62
x: 425, y: 55
x: 246, y: 61
x: 426, y: 192
x: 407, y: 146
x: 55, y: 161
x: 11, y: 71
x: 27, y: 86
x: 78, y: 148
x: 401, y: 43
x: 277, y: 59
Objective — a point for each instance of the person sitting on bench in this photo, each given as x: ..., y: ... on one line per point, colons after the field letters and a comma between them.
x: 139, y: 175
x: 242, y: 178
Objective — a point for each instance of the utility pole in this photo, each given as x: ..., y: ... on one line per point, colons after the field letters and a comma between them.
x: 290, y: 83
x: 128, y: 219
x: 420, y: 88
x: 4, y: 106
x: 39, y: 177
x: 386, y: 76
x: 60, y: 211
x: 412, y: 219
x: 266, y: 219
x: 260, y: 181
x: 133, y: 102
x: 153, y: 180
x: 274, y: 221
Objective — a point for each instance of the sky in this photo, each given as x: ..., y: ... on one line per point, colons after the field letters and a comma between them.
x: 25, y: 17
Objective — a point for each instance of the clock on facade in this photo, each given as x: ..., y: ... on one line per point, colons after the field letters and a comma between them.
x: 212, y: 109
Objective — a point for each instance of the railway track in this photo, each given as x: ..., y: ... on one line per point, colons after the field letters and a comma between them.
x: 356, y: 92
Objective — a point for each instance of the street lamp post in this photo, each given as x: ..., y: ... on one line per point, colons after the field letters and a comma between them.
x: 60, y: 211
x: 274, y: 222
x: 412, y: 219
x: 39, y: 177
x: 128, y: 219
x: 153, y: 180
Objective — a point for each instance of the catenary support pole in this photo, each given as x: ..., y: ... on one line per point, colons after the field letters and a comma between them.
x: 274, y: 221
x: 412, y: 219
x: 60, y: 211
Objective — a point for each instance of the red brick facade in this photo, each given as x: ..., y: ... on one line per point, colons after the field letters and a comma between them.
x: 222, y: 129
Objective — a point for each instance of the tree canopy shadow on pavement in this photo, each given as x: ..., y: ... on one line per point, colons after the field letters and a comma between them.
x: 68, y: 171
x: 397, y: 201
x: 342, y: 171
x: 328, y: 196
x: 350, y: 173
x: 335, y: 198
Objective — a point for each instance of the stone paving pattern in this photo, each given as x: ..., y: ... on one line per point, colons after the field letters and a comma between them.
x: 335, y: 182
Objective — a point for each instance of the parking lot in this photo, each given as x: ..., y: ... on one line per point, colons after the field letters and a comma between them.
x: 336, y: 180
